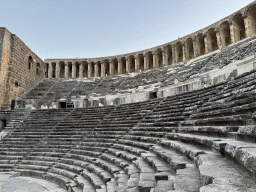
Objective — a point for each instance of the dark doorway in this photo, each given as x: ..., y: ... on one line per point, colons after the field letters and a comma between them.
x: 13, y: 104
x: 2, y: 124
x: 62, y: 105
x: 152, y: 95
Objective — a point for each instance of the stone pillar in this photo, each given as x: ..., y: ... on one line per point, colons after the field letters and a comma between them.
x: 50, y: 70
x: 73, y: 70
x: 174, y: 54
x: 57, y: 70
x: 136, y: 63
x: 232, y: 33
x: 81, y: 70
x: 66, y: 70
x: 102, y: 69
x: 145, y: 62
x: 195, y: 46
x: 119, y: 66
x: 111, y: 67
x: 183, y: 44
x: 206, y: 43
x: 128, y: 63
x: 155, y: 65
x: 165, y: 59
x: 96, y: 69
x: 219, y: 39
x: 90, y: 70
x: 247, y: 26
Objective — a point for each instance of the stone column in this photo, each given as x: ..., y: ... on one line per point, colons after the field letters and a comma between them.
x: 174, y: 54
x: 57, y: 70
x: 145, y: 62
x: 128, y: 63
x: 155, y: 64
x: 50, y: 70
x: 206, y: 42
x: 165, y: 59
x: 66, y: 70
x: 111, y: 67
x: 136, y: 63
x: 102, y: 69
x: 232, y: 33
x: 96, y: 69
x: 81, y: 70
x: 183, y: 44
x: 195, y: 46
x: 247, y: 26
x: 119, y: 66
x: 90, y: 70
x: 219, y: 39
x: 73, y: 70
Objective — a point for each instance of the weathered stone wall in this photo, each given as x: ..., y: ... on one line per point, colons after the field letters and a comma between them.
x: 17, y: 75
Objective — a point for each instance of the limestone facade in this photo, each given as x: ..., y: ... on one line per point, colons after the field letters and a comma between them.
x: 20, y: 68
x: 231, y: 29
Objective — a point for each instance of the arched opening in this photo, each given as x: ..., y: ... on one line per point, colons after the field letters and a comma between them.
x: 46, y: 70
x: 38, y: 69
x: 98, y: 69
x: 85, y: 69
x: 238, y: 27
x: 106, y: 67
x: 123, y: 65
x: 30, y: 62
x: 200, y: 44
x: 132, y: 64
x: 190, y: 48
x: 159, y: 58
x: 150, y: 60
x: 169, y: 55
x: 92, y: 69
x: 140, y: 63
x: 251, y: 16
x: 225, y: 34
x: 53, y: 70
x: 212, y: 38
x: 179, y: 52
x: 76, y: 70
x: 62, y: 69
x: 69, y: 70
x: 115, y: 67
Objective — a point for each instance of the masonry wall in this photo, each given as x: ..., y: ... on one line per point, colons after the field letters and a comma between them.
x: 17, y: 77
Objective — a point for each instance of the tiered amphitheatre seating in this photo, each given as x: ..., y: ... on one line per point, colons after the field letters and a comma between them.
x: 39, y: 91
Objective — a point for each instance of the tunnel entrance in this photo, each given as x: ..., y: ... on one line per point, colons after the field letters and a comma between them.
x: 62, y: 105
x: 152, y: 95
x: 2, y: 124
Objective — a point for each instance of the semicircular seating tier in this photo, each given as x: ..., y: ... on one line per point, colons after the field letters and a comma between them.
x: 202, y: 140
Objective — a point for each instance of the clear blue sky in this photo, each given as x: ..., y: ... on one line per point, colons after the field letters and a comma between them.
x: 97, y: 28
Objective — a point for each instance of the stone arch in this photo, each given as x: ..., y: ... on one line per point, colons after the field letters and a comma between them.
x: 238, y: 27
x: 53, y: 69
x: 140, y: 62
x: 106, y: 67
x: 46, y: 70
x: 150, y: 60
x: 251, y: 17
x: 132, y: 64
x: 179, y: 52
x: 159, y: 58
x: 62, y: 69
x: 91, y: 66
x: 190, y: 48
x: 69, y: 70
x: 225, y: 33
x: 200, y: 44
x: 115, y: 66
x: 30, y: 62
x: 123, y: 65
x: 169, y: 54
x: 212, y: 38
x: 84, y: 72
x: 76, y: 68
